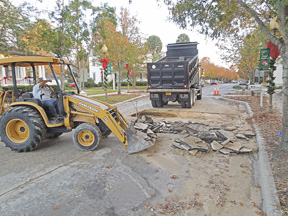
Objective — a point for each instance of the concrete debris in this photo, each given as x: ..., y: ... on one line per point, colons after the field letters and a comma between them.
x: 194, y: 136
x: 245, y: 150
x: 235, y: 147
x: 140, y: 126
x: 225, y: 142
x: 216, y: 146
x: 225, y: 151
x: 177, y: 140
x: 228, y: 134
x: 241, y: 136
x: 249, y: 134
x: 193, y: 152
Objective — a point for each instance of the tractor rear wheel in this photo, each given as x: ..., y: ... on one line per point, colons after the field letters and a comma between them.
x: 87, y: 136
x: 22, y: 128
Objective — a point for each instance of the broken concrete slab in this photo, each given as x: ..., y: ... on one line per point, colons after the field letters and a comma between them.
x: 241, y: 136
x: 245, y: 150
x: 208, y: 137
x: 193, y: 152
x: 216, y: 146
x: 228, y: 134
x: 225, y: 142
x: 250, y: 134
x: 177, y: 145
x: 141, y: 126
x: 233, y: 146
x: 225, y: 151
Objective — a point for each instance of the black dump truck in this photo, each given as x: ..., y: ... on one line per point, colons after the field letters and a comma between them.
x: 176, y: 76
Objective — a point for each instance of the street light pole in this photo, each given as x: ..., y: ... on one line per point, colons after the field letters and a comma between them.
x: 104, y: 50
x: 271, y: 89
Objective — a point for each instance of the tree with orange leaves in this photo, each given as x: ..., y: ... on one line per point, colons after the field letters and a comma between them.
x: 123, y: 40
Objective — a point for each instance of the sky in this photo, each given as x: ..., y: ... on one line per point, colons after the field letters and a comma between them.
x: 153, y: 17
x: 154, y: 21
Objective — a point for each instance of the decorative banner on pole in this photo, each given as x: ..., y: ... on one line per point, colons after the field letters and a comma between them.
x: 264, y: 58
x: 109, y: 69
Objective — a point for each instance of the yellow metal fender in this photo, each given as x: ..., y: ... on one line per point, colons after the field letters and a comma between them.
x: 40, y: 110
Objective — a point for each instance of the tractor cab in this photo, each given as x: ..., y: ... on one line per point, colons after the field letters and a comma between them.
x: 24, y: 73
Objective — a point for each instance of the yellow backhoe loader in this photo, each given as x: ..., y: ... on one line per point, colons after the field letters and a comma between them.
x: 24, y: 123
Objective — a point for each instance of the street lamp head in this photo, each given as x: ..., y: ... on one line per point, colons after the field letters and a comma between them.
x: 273, y: 24
x: 104, y: 48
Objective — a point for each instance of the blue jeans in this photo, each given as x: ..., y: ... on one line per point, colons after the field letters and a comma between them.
x: 50, y: 106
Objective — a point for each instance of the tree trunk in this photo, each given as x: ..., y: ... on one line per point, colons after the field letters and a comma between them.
x: 284, y: 138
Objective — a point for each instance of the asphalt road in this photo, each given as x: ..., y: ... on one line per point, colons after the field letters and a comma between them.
x: 59, y: 179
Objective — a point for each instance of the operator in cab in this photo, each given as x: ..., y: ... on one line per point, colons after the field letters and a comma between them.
x: 43, y: 91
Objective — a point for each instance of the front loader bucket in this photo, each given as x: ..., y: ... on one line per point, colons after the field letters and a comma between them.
x: 135, y: 142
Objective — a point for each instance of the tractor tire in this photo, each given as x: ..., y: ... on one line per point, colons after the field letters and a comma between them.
x: 154, y: 104
x: 87, y: 136
x: 22, y: 128
x: 106, y: 133
x: 52, y: 135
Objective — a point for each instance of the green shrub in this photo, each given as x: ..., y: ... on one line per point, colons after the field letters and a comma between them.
x: 141, y: 83
x: 90, y: 83
x: 237, y: 87
x: 124, y: 83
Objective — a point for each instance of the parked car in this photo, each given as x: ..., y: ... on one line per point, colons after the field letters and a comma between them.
x: 213, y: 82
x: 242, y: 82
x: 72, y: 85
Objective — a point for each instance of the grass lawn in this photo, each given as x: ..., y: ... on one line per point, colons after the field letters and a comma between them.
x: 112, y: 99
x: 100, y: 90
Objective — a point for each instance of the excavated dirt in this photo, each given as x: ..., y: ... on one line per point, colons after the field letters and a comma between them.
x: 208, y: 183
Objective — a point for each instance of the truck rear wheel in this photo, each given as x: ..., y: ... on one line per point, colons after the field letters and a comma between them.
x: 87, y: 136
x: 159, y: 103
x: 153, y: 103
x: 183, y: 104
x: 199, y: 95
x: 22, y: 128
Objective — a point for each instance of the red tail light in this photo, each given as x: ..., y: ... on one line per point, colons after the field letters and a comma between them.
x: 149, y: 86
x: 185, y: 86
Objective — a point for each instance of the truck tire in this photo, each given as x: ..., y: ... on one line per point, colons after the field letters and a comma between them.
x: 159, y: 103
x: 199, y: 95
x: 153, y: 103
x: 183, y: 104
x: 22, y: 128
x: 87, y: 136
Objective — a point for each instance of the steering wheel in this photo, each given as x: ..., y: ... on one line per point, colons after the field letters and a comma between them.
x: 54, y: 95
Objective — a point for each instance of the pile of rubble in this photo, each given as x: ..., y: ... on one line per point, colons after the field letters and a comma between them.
x: 196, y: 136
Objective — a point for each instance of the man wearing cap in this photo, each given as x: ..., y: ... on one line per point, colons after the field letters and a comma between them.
x: 43, y: 92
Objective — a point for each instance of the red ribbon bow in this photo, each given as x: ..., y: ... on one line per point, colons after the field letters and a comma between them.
x: 104, y: 61
x: 274, y: 51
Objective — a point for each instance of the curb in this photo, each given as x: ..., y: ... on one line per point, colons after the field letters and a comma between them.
x: 263, y: 173
x: 136, y: 98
